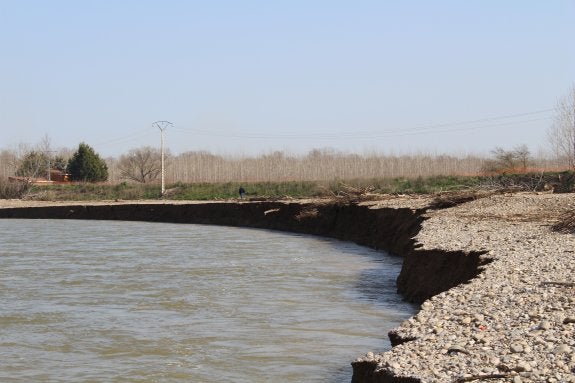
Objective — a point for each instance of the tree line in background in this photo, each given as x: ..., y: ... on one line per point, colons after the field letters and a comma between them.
x: 142, y: 165
x: 84, y: 165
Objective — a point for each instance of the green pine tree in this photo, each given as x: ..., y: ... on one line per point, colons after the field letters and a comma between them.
x: 86, y: 165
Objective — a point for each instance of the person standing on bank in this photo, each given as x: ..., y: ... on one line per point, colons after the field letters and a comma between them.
x: 242, y: 192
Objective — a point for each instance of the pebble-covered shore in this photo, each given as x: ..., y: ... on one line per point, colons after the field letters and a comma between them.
x: 516, y: 321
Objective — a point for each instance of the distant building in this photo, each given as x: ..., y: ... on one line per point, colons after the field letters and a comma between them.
x: 59, y: 176
x: 56, y: 177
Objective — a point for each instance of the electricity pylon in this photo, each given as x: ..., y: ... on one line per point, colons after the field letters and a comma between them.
x: 162, y: 125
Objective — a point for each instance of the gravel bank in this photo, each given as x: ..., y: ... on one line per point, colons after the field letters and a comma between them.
x: 513, y: 323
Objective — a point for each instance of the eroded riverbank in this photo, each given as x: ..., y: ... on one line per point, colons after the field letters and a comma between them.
x: 513, y: 320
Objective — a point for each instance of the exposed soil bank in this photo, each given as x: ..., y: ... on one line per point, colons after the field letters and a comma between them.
x: 387, y: 229
x: 514, y: 322
x: 424, y: 274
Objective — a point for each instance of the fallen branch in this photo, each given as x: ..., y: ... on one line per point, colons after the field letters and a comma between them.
x: 481, y: 377
x: 457, y: 350
x: 307, y: 213
x: 451, y: 199
x: 568, y: 284
x: 566, y: 225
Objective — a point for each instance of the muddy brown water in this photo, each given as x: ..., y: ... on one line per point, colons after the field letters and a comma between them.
x: 101, y: 301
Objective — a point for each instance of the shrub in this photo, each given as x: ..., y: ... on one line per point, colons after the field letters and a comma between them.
x: 10, y: 190
x: 86, y: 165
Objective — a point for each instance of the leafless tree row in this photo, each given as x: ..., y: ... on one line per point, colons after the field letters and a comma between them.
x: 316, y: 165
x: 143, y: 165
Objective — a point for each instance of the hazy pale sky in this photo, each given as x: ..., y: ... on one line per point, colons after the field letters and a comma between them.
x: 245, y: 77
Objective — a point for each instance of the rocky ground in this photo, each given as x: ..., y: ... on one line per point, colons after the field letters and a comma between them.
x: 516, y: 321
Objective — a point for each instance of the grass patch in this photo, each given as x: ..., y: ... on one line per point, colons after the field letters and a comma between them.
x: 559, y: 182
x: 265, y: 190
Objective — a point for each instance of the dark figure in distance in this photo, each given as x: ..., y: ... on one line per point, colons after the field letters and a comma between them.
x: 242, y: 192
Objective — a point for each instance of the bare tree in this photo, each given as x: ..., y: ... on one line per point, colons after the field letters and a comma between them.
x: 561, y: 134
x: 38, y: 160
x: 140, y: 165
x: 504, y: 158
x: 8, y: 163
x: 33, y: 165
x: 45, y: 144
x: 522, y: 155
x: 508, y: 160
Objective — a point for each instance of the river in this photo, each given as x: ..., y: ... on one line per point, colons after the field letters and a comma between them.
x: 109, y: 301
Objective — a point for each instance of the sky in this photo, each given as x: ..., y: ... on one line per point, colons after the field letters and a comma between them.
x: 250, y: 77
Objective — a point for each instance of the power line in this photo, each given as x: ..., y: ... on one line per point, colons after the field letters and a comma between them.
x: 127, y: 138
x: 460, y: 126
x: 425, y: 129
x: 470, y: 122
x: 465, y: 129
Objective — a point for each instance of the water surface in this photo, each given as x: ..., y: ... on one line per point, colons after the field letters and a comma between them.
x: 104, y: 301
